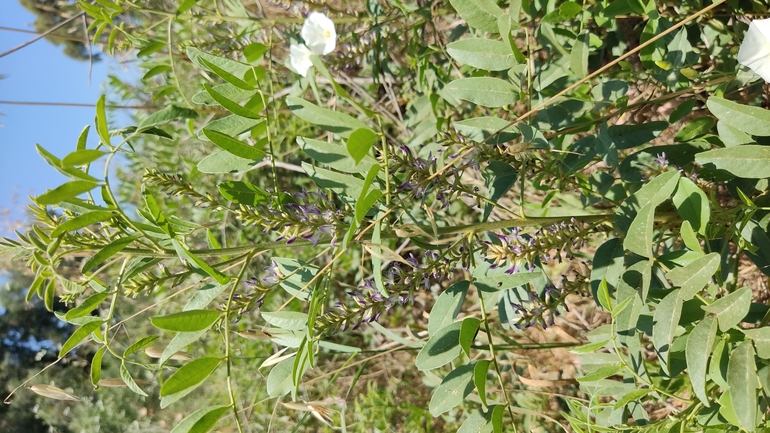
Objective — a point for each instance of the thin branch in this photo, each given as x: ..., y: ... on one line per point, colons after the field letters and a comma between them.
x: 42, y: 35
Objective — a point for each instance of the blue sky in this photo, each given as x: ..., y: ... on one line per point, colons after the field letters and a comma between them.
x: 41, y: 73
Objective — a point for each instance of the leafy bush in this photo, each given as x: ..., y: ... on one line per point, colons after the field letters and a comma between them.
x: 448, y: 183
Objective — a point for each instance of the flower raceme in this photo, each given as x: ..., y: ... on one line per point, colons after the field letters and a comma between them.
x: 320, y: 38
x: 755, y: 49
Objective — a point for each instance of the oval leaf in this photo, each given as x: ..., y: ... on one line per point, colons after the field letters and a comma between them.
x: 695, y: 275
x: 484, y: 91
x: 742, y: 382
x: 483, y: 54
x: 751, y: 120
x: 447, y: 306
x: 665, y: 320
x: 453, y: 389
x: 750, y: 161
x: 441, y: 348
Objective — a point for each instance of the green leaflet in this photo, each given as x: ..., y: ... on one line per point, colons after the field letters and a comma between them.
x: 695, y: 275
x: 751, y: 120
x: 200, y: 421
x: 335, y: 156
x: 692, y: 204
x: 457, y: 385
x: 479, y: 14
x: 77, y: 336
x: 665, y: 321
x: 441, y: 348
x: 742, y: 382
x: 750, y: 161
x: 447, y: 306
x: 81, y: 221
x: 639, y: 237
x: 189, y: 375
x: 186, y: 321
x: 485, y: 130
x: 698, y: 351
x: 731, y: 309
x: 482, y: 53
x: 484, y: 91
x: 65, y: 191
x: 332, y: 121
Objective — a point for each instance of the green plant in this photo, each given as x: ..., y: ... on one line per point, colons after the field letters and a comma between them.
x: 459, y: 177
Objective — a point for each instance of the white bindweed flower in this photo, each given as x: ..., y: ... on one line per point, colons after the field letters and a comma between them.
x: 320, y: 38
x: 755, y: 49
x: 319, y: 34
x: 299, y: 55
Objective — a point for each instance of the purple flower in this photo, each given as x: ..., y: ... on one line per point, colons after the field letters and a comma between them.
x: 661, y: 160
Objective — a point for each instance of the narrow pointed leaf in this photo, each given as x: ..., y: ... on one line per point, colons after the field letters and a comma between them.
x: 87, y: 306
x: 96, y: 365
x: 234, y: 146
x: 101, y: 121
x: 53, y: 392
x: 200, y: 415
x: 731, y: 309
x: 484, y: 91
x: 468, y: 330
x: 695, y: 275
x: 230, y: 105
x: 126, y: 376
x: 81, y: 221
x: 332, y: 121
x: 480, y: 379
x: 78, y: 336
x: 65, y: 191
x: 186, y: 321
x: 189, y: 375
x: 82, y: 157
x: 105, y: 253
x: 639, y: 237
x: 197, y: 262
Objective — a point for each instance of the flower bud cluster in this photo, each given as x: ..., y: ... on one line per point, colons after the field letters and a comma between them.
x: 400, y: 282
x: 516, y: 251
x: 414, y: 176
x: 310, y: 216
x: 243, y: 303
x: 174, y: 184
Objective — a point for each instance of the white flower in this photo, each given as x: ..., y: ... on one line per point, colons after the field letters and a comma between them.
x: 299, y: 55
x: 319, y: 34
x: 755, y: 49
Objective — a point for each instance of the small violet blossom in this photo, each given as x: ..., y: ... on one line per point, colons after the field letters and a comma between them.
x: 320, y: 38
x: 755, y: 49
